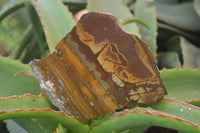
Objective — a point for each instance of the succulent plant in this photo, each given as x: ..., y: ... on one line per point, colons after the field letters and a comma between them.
x: 30, y: 29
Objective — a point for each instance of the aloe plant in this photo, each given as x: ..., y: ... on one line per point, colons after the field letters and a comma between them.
x: 23, y: 108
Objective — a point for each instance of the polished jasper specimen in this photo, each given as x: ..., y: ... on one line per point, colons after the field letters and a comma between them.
x: 97, y: 68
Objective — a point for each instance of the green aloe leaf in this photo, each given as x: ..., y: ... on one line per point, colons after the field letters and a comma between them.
x: 148, y: 15
x: 49, y: 126
x: 140, y: 117
x: 116, y: 8
x: 56, y: 20
x: 37, y: 27
x: 195, y: 102
x: 191, y: 54
x: 25, y: 102
x: 191, y: 36
x: 10, y: 7
x: 138, y: 21
x: 69, y: 122
x: 168, y: 60
x: 196, y: 5
x: 182, y: 16
x: 11, y: 84
x: 23, y: 125
x: 23, y: 41
x: 168, y: 2
x: 139, y: 129
x: 32, y: 51
x: 75, y: 5
x: 182, y: 84
x: 180, y: 109
x: 84, y: 2
x: 173, y: 44
x: 23, y: 106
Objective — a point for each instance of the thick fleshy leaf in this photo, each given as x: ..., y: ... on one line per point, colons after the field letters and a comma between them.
x: 13, y: 127
x: 116, y: 8
x: 75, y: 5
x: 10, y: 7
x: 139, y: 129
x: 174, y: 45
x: 196, y: 5
x: 140, y: 117
x: 135, y: 20
x: 168, y: 60
x: 73, y: 125
x: 56, y: 19
x: 24, y: 41
x: 37, y: 27
x: 32, y: 51
x: 191, y: 54
x: 49, y: 126
x: 182, y: 84
x: 26, y: 101
x: 75, y: 2
x: 168, y: 2
x: 182, y: 15
x: 180, y: 109
x: 148, y: 15
x: 191, y: 36
x: 23, y: 125
x: 195, y: 102
x: 16, y: 85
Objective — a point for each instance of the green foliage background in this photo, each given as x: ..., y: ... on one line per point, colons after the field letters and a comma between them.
x: 30, y: 29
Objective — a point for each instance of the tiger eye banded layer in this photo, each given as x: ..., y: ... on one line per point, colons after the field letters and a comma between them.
x: 97, y: 68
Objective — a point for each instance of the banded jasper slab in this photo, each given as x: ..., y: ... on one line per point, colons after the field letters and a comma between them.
x: 97, y: 68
